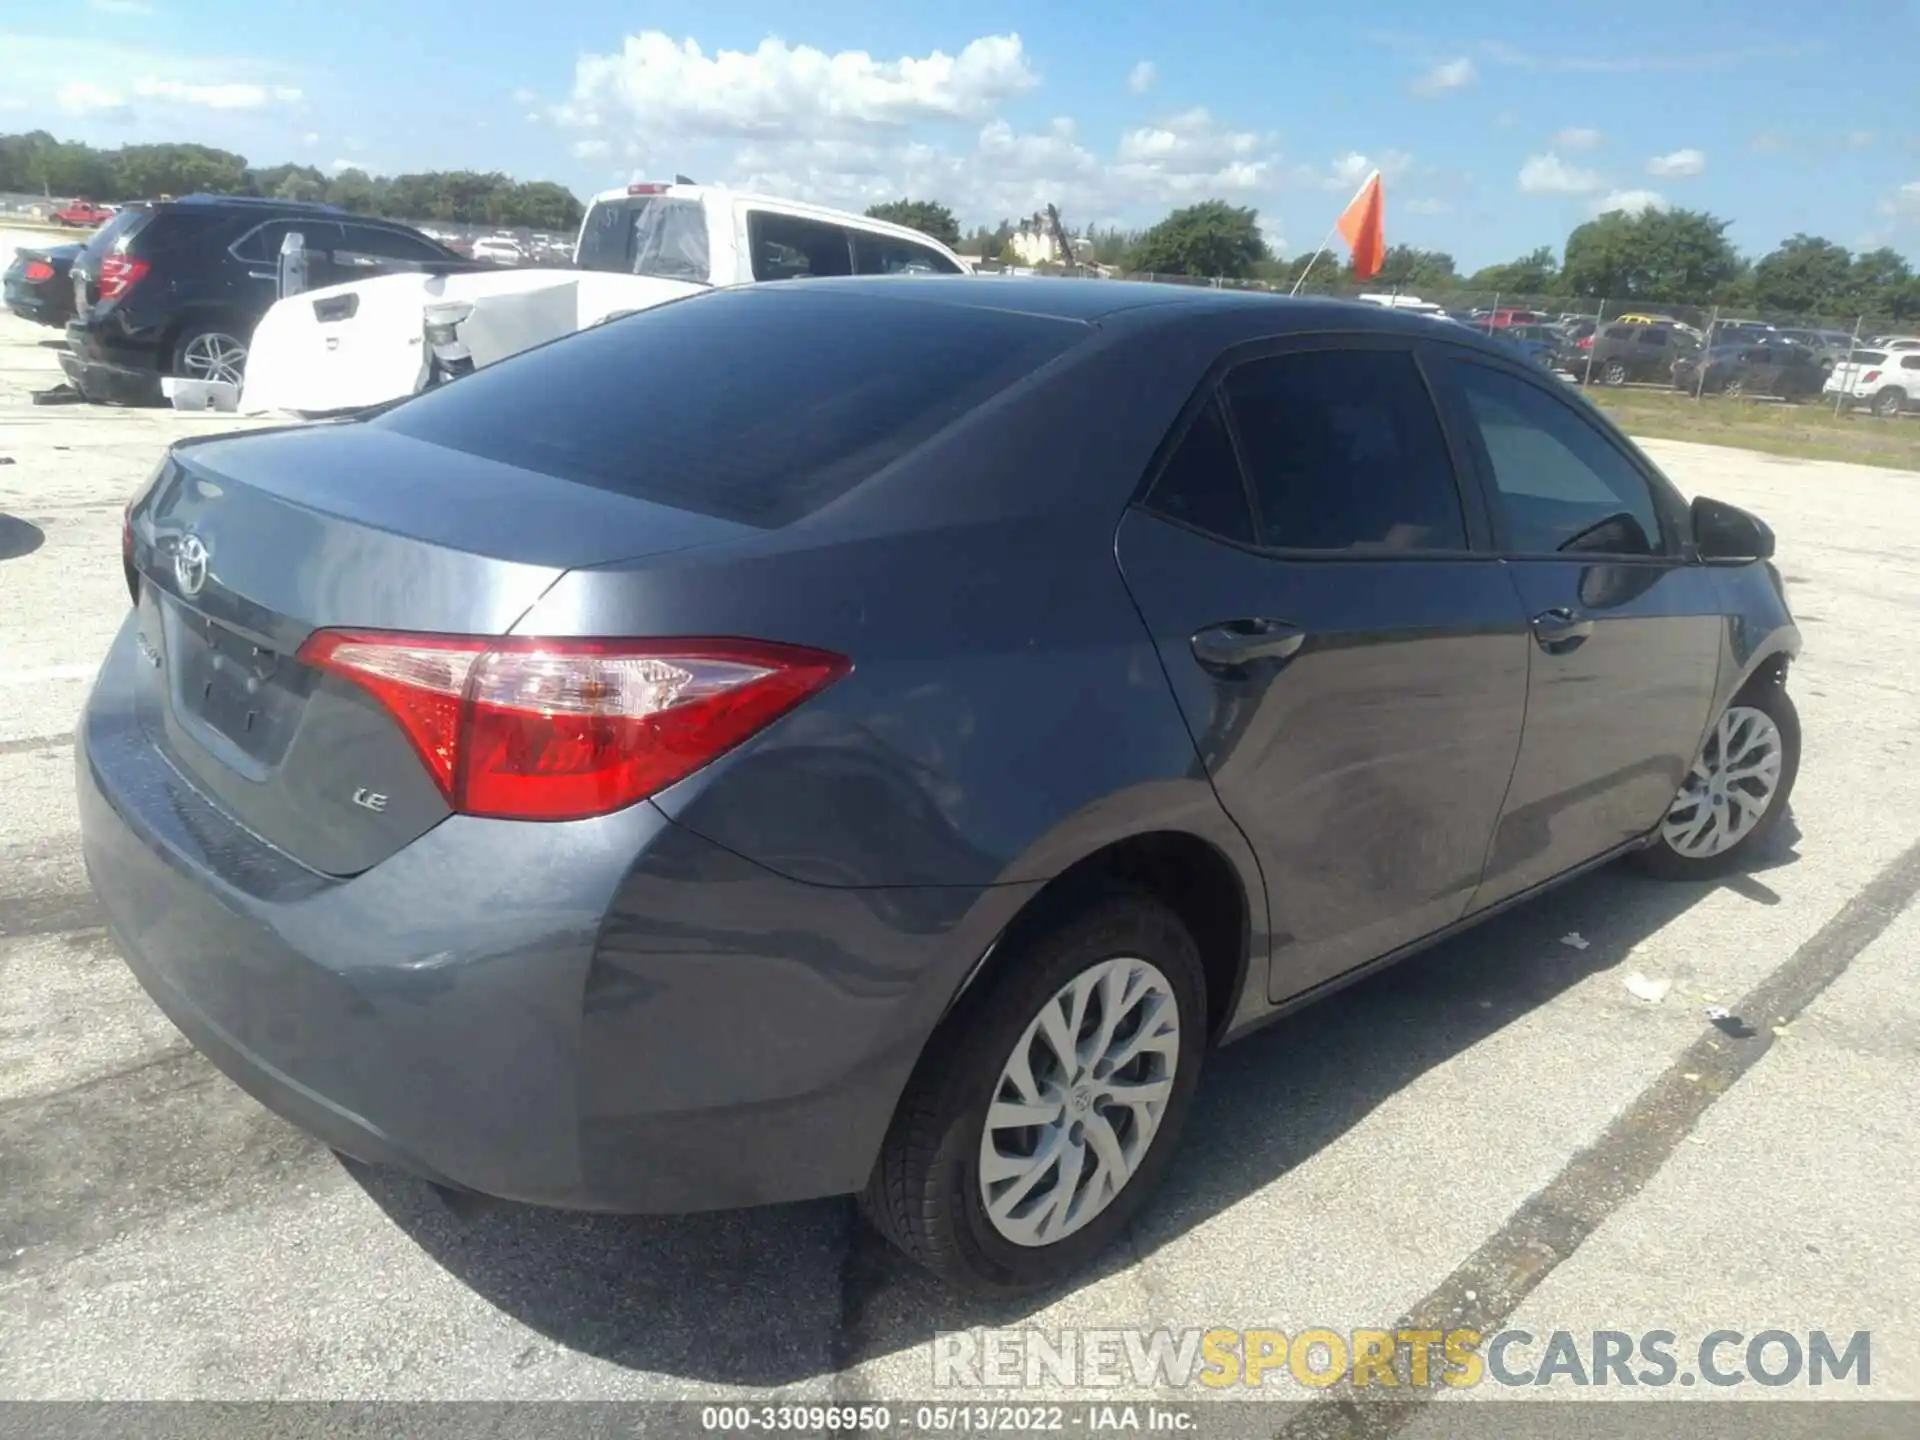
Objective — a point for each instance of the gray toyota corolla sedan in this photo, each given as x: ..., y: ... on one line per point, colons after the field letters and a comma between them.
x: 877, y: 735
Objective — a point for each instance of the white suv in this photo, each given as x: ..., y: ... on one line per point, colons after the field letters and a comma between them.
x: 1889, y: 380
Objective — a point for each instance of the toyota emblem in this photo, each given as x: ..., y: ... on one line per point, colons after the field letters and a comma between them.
x: 190, y: 565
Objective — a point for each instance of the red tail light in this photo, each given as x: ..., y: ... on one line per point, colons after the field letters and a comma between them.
x: 1586, y: 342
x: 565, y: 729
x: 38, y: 270
x: 1869, y: 377
x: 119, y: 274
x: 647, y: 189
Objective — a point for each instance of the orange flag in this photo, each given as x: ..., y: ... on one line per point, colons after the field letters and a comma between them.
x: 1362, y: 227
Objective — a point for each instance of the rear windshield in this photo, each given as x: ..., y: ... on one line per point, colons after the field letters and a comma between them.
x: 124, y: 225
x: 1868, y: 357
x: 646, y: 235
x: 756, y: 405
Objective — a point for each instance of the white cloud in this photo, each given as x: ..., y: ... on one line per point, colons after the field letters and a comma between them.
x: 1141, y: 78
x: 590, y: 149
x: 1345, y: 172
x: 1008, y: 172
x: 1902, y: 204
x: 126, y: 9
x: 230, y: 96
x: 1445, y: 78
x: 1577, y: 137
x: 1548, y: 174
x: 1633, y: 202
x: 312, y: 137
x: 1678, y: 163
x: 673, y: 87
x: 83, y: 97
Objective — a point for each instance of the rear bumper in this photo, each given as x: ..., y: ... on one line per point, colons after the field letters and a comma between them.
x: 609, y: 1015
x: 37, y: 305
x: 109, y: 374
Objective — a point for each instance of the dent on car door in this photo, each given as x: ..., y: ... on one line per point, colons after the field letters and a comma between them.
x: 1627, y: 632
x: 1354, y: 676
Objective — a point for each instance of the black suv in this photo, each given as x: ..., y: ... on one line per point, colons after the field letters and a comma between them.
x: 1626, y: 351
x: 176, y: 287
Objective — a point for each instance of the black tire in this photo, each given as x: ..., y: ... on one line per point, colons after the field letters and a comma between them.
x: 1890, y: 402
x: 201, y: 331
x: 925, y: 1193
x: 1767, y: 694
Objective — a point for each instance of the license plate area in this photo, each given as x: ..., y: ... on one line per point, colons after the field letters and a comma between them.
x: 224, y: 681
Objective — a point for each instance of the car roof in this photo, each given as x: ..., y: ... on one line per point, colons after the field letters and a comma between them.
x: 722, y: 195
x: 1231, y: 314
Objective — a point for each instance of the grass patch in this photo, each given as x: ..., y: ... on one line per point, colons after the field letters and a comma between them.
x: 1809, y: 431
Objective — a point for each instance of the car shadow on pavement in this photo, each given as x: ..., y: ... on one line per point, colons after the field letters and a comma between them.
x: 19, y: 537
x: 783, y: 1294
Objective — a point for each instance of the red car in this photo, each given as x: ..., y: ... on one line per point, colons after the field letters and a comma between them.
x: 84, y: 213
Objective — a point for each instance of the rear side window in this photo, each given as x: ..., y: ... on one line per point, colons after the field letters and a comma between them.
x: 786, y: 247
x: 1869, y: 357
x: 1345, y: 453
x: 758, y: 405
x: 1910, y: 362
x: 1201, y: 485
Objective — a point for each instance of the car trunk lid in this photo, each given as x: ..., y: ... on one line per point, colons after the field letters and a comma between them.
x: 244, y: 548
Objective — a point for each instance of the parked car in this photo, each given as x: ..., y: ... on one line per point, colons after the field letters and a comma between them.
x: 639, y: 246
x: 1831, y: 346
x: 37, y: 284
x: 1544, y: 345
x: 1897, y: 342
x: 83, y: 213
x: 1777, y: 367
x: 1625, y: 350
x: 1112, y: 669
x: 1887, y: 380
x: 177, y: 287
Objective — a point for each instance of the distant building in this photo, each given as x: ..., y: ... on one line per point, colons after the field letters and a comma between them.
x: 1034, y: 243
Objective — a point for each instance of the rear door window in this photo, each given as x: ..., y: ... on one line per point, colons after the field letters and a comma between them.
x: 758, y: 404
x: 262, y: 245
x: 1344, y: 452
x: 788, y: 247
x: 885, y: 255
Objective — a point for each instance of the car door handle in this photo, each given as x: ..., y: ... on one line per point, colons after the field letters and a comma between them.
x: 1236, y: 643
x: 1559, y: 630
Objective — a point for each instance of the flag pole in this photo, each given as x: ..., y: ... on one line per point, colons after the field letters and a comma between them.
x: 1315, y: 257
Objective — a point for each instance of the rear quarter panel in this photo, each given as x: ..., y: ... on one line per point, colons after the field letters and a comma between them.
x: 1006, y: 714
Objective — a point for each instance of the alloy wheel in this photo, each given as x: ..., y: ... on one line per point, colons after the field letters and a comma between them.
x: 1615, y: 373
x: 214, y: 356
x: 1078, y: 1103
x: 1730, y: 787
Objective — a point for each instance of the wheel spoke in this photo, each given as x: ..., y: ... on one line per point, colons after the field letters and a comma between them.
x: 1019, y: 1114
x: 1136, y: 1092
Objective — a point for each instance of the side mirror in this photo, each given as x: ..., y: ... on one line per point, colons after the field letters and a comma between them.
x: 1726, y: 532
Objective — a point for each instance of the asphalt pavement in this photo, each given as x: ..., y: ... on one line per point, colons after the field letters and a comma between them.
x: 1497, y: 1133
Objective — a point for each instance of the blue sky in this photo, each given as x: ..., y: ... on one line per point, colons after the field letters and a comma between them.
x: 1498, y: 125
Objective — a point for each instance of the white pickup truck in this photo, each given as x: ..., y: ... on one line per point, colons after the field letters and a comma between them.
x: 366, y: 342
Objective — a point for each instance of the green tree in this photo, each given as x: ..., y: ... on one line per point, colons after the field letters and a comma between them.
x: 1536, y: 273
x: 926, y: 216
x: 1405, y: 268
x: 1805, y: 275
x: 1878, y: 280
x: 355, y: 190
x: 1672, y: 256
x: 1212, y: 238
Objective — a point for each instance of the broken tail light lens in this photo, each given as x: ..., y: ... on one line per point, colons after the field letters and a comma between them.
x: 119, y: 274
x: 567, y: 729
